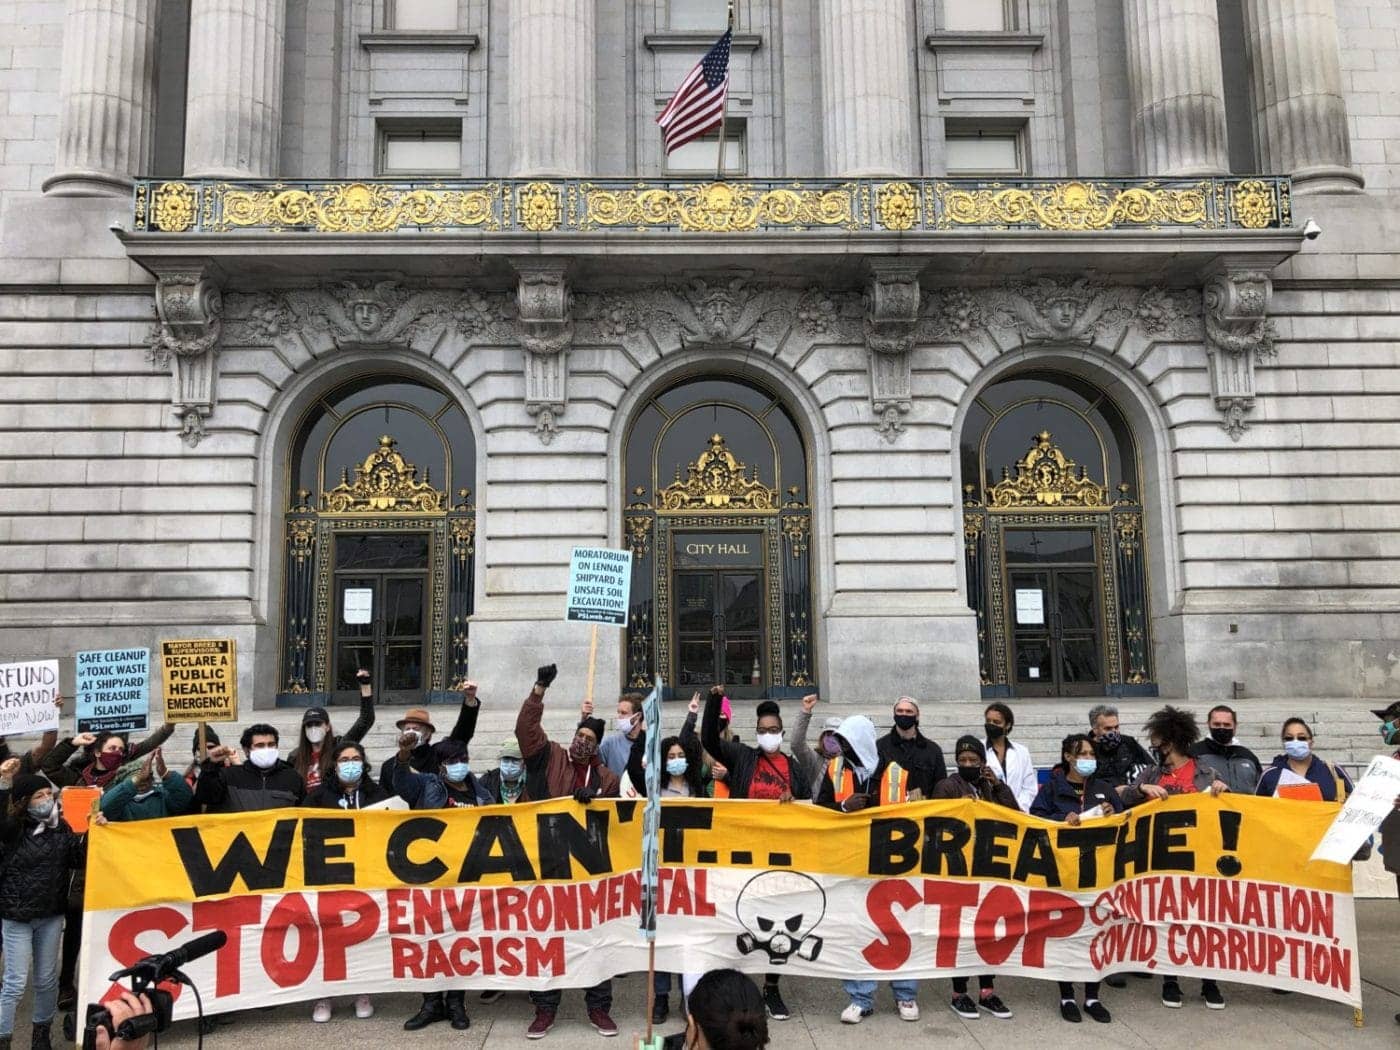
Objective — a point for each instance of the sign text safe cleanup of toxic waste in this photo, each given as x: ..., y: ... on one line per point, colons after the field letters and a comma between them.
x: 548, y: 894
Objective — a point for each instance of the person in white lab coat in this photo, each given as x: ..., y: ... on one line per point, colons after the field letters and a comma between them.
x: 1010, y: 761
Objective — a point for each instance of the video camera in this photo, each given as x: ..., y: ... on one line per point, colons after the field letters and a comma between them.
x: 146, y: 977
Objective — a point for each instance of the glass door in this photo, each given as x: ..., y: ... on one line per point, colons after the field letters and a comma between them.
x: 719, y: 631
x: 381, y: 592
x: 1056, y: 613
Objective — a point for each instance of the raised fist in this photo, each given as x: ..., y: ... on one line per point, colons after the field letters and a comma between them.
x: 84, y: 739
x: 809, y: 702
x: 9, y: 768
x: 362, y: 676
x: 546, y: 675
x: 694, y: 703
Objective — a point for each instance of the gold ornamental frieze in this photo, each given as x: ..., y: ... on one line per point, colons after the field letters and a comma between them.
x: 1046, y: 477
x: 1073, y: 206
x: 357, y: 207
x: 718, y: 207
x: 716, y: 480
x: 385, y: 482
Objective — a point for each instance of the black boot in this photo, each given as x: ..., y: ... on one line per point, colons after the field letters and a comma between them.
x: 431, y: 1012
x: 457, y: 1010
x: 40, y: 1040
x: 660, y: 1009
x: 5, y: 1041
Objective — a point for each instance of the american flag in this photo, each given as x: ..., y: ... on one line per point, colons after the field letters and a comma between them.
x: 698, y: 104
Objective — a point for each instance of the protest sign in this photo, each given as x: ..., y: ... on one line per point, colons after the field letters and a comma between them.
x: 1370, y: 802
x: 549, y: 894
x: 113, y: 691
x: 651, y: 812
x: 200, y: 677
x: 600, y: 581
x: 76, y: 807
x: 27, y: 694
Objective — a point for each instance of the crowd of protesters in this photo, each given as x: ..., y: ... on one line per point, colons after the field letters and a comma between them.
x: 850, y: 767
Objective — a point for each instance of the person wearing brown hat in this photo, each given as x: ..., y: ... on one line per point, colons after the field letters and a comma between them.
x: 314, y: 756
x: 41, y: 854
x: 416, y: 730
x: 556, y: 771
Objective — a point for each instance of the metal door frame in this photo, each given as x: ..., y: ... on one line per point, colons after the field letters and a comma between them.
x: 378, y: 639
x: 762, y: 631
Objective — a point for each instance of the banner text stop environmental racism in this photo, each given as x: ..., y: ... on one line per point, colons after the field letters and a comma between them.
x: 548, y: 895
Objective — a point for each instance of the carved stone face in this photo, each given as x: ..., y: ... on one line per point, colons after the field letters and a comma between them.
x: 367, y: 314
x: 1062, y: 313
x: 714, y: 312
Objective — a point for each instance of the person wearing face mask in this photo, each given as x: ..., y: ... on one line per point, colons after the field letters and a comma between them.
x: 1120, y: 757
x: 812, y: 759
x: 1300, y: 773
x: 506, y: 783
x: 723, y: 1012
x: 762, y: 772
x: 41, y: 854
x: 1075, y: 793
x: 150, y: 791
x: 555, y: 771
x: 347, y: 785
x: 974, y: 780
x: 417, y: 724
x: 1238, y: 766
x: 916, y: 754
x: 451, y: 786
x: 617, y: 745
x: 1171, y: 734
x: 1007, y: 759
x: 250, y: 778
x: 315, y: 750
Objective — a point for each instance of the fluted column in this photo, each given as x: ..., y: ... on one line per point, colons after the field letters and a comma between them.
x: 1300, y: 112
x: 1177, y: 89
x: 233, y: 109
x: 867, y: 83
x: 552, y: 81
x: 106, y: 105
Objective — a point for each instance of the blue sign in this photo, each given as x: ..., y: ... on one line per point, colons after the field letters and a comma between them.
x: 651, y: 813
x: 114, y: 690
x: 600, y: 583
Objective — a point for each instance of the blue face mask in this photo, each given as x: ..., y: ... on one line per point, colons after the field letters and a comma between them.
x: 511, y: 769
x: 1297, y: 748
x: 675, y: 766
x: 1085, y: 767
x: 457, y: 771
x: 1390, y: 731
x: 350, y: 771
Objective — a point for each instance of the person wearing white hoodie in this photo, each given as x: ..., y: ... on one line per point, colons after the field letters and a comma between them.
x: 853, y: 780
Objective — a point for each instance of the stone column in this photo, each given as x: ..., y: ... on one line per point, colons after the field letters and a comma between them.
x: 106, y: 106
x: 233, y: 108
x: 1300, y: 112
x: 1178, y: 94
x: 867, y: 82
x: 552, y: 81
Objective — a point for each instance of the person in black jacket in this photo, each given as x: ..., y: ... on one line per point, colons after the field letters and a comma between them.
x: 229, y: 784
x: 913, y: 752
x: 317, y: 743
x: 1120, y: 757
x: 41, y: 854
x: 418, y: 722
x: 505, y: 785
x: 1239, y: 767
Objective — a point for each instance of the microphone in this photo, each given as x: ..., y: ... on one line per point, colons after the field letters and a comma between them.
x: 157, y: 968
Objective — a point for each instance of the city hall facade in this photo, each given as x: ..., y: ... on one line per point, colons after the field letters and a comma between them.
x: 1003, y: 358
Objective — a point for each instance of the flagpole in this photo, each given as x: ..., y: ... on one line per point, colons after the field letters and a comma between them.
x: 724, y: 113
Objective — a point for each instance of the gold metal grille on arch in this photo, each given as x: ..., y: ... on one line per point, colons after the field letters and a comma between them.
x: 385, y: 482
x: 1045, y: 477
x: 716, y: 481
x: 799, y: 206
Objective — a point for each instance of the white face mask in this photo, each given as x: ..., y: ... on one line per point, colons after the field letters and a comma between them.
x: 264, y: 757
x: 770, y: 742
x: 316, y: 734
x: 624, y: 723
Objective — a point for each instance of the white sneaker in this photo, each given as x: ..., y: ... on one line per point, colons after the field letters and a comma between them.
x: 321, y: 1012
x: 853, y: 1014
x: 364, y: 1007
x: 908, y: 1010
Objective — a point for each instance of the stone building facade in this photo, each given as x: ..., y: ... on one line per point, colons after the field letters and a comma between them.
x: 993, y: 366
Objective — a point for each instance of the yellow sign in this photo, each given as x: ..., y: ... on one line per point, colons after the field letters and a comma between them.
x: 201, y: 680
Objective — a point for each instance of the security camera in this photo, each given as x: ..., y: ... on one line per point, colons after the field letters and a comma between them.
x: 1311, y: 230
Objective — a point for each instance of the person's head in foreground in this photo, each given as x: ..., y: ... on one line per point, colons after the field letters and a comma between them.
x: 725, y: 1012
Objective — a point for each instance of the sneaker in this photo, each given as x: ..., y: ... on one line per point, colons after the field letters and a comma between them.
x: 1210, y: 992
x: 660, y: 1009
x: 963, y: 1006
x: 1069, y: 1010
x: 1171, y: 995
x: 1097, y: 1011
x: 602, y: 1023
x: 321, y: 1012
x: 364, y: 1007
x: 540, y: 1026
x: 908, y: 1010
x: 491, y: 995
x: 773, y: 1000
x: 853, y: 1014
x: 994, y: 1006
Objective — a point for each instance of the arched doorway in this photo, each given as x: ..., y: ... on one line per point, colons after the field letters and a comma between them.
x: 718, y: 521
x: 1054, y: 542
x: 379, y: 558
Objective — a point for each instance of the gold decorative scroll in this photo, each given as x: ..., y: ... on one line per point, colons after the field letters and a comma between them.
x: 357, y: 207
x: 716, y: 481
x: 1252, y: 204
x: 539, y: 207
x: 385, y: 482
x: 173, y: 207
x: 719, y: 207
x: 1045, y: 477
x: 897, y: 206
x: 1073, y: 206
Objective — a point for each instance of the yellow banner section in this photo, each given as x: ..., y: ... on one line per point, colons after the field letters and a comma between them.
x: 184, y: 859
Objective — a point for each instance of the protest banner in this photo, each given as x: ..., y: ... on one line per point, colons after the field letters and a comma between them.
x: 548, y: 895
x: 113, y: 690
x: 27, y: 694
x: 200, y: 678
x: 1370, y: 802
x: 599, y: 583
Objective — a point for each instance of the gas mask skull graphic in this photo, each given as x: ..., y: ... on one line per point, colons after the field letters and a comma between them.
x: 779, y: 910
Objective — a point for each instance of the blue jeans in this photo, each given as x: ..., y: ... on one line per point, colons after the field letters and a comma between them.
x: 39, y: 940
x: 862, y: 993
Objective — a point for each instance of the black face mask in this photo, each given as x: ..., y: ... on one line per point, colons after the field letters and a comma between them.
x: 970, y: 773
x: 993, y: 731
x: 906, y: 722
x: 1221, y: 736
x: 1158, y: 757
x: 1109, y: 742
